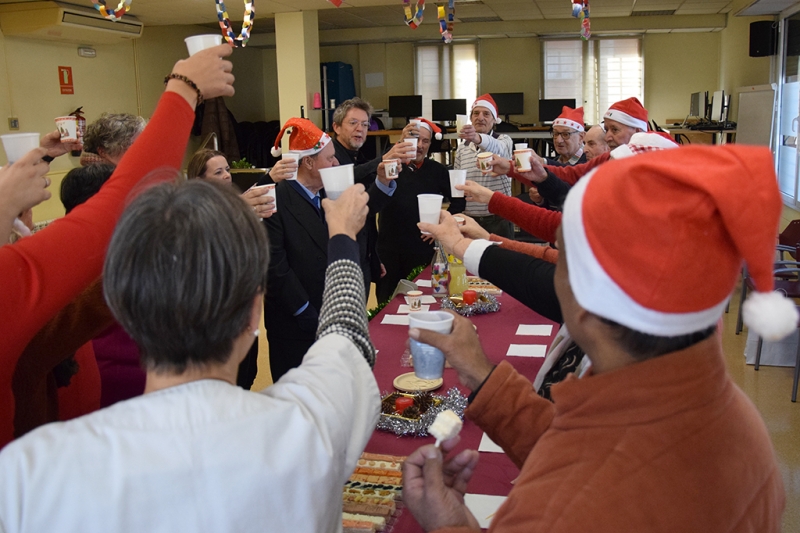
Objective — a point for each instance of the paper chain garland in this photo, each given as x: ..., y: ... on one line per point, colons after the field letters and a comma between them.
x: 112, y: 14
x: 580, y: 9
x: 225, y: 23
x: 446, y: 21
x: 413, y: 19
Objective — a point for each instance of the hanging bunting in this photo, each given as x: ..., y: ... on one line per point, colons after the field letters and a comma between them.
x: 227, y: 29
x: 580, y: 10
x: 446, y: 21
x: 112, y: 14
x: 413, y: 19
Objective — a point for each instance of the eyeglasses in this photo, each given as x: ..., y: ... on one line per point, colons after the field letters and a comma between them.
x: 355, y: 123
x: 563, y: 134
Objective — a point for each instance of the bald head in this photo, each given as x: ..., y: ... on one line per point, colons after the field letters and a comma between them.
x: 595, y: 142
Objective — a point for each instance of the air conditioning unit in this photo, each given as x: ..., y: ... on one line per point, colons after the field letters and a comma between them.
x: 55, y: 21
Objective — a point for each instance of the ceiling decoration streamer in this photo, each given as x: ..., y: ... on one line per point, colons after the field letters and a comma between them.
x: 227, y: 29
x: 112, y: 14
x: 446, y: 19
x: 413, y: 18
x: 580, y: 10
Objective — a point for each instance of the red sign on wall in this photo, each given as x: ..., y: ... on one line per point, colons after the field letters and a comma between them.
x: 65, y: 80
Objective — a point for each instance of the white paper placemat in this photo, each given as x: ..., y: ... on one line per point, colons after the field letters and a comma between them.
x: 527, y: 350
x: 535, y: 329
x: 488, y: 445
x: 483, y: 506
x: 423, y: 283
x: 399, y: 320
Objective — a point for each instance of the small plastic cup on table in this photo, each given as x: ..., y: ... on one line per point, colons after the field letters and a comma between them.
x: 429, y: 361
x: 414, y: 300
x: 457, y: 177
x: 429, y: 207
x: 68, y: 128
x: 196, y: 43
x: 336, y: 180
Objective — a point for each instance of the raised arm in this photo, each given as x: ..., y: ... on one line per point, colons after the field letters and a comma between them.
x: 536, y: 220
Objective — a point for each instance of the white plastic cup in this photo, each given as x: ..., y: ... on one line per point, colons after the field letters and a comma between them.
x: 414, y: 300
x: 520, y: 146
x: 294, y: 156
x: 429, y: 207
x: 522, y: 159
x: 68, y: 128
x: 429, y: 361
x: 196, y: 43
x: 460, y: 220
x: 457, y: 177
x: 461, y: 121
x: 336, y: 180
x: 19, y: 144
x: 412, y: 152
x: 267, y: 190
x: 391, y: 167
x: 485, y: 162
x: 417, y: 123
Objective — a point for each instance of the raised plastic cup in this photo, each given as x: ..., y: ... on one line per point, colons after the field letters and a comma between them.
x: 429, y: 207
x: 522, y: 159
x: 457, y: 177
x: 336, y: 180
x: 391, y: 167
x: 17, y: 145
x: 296, y: 157
x: 415, y: 122
x: 485, y: 162
x: 520, y: 146
x: 267, y: 190
x: 429, y: 361
x: 195, y: 43
x: 68, y: 128
x: 412, y: 152
x: 461, y: 121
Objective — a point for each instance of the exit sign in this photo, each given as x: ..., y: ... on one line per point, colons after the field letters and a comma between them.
x: 65, y: 80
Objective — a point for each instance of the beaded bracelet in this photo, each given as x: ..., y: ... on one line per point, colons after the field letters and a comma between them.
x: 188, y: 82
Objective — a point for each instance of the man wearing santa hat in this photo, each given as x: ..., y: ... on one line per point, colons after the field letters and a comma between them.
x: 655, y: 436
x: 298, y: 244
x: 399, y: 244
x: 568, y: 134
x: 479, y: 136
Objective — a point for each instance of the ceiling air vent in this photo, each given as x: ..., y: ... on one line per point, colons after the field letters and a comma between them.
x: 653, y: 13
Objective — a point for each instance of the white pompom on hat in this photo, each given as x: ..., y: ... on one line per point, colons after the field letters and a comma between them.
x: 306, y: 138
x: 665, y: 260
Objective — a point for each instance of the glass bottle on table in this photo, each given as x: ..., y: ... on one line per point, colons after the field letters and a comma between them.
x: 439, y: 272
x: 458, y: 276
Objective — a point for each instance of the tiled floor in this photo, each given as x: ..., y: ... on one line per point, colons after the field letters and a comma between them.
x: 770, y: 389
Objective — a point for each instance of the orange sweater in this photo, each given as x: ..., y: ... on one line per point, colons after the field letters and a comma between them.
x: 44, y: 272
x: 665, y: 445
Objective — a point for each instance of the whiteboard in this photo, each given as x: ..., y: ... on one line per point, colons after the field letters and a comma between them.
x: 756, y: 108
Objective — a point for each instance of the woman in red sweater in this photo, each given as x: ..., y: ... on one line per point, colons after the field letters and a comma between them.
x: 45, y: 272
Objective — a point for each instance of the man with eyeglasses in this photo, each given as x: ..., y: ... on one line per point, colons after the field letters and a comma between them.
x: 479, y: 136
x: 351, y: 124
x: 568, y: 135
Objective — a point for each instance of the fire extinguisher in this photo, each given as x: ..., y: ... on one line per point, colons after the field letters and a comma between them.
x: 81, y: 120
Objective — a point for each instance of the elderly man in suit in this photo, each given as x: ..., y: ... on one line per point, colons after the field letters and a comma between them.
x: 298, y: 237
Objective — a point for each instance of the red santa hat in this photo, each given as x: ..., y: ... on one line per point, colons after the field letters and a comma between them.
x: 642, y: 142
x: 630, y: 112
x: 570, y: 118
x: 435, y: 130
x: 306, y: 138
x: 488, y: 102
x: 666, y: 259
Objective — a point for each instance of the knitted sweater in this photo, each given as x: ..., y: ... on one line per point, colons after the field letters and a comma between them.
x: 467, y: 159
x: 45, y: 272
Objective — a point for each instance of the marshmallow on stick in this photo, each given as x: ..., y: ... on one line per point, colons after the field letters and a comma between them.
x: 446, y: 426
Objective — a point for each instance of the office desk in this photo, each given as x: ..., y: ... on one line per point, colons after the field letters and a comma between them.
x: 717, y: 136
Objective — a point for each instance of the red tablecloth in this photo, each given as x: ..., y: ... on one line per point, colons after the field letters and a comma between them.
x: 496, y: 332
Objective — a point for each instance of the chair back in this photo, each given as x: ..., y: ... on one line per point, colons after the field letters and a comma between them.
x: 790, y: 236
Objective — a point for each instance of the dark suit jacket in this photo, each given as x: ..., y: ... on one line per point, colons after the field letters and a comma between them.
x: 298, y: 238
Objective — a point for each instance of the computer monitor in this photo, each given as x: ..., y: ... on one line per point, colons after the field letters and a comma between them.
x: 446, y: 110
x: 717, y: 105
x: 409, y: 106
x: 509, y: 103
x: 697, y: 102
x: 550, y: 109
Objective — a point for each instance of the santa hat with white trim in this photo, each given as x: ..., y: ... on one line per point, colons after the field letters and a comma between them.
x: 570, y: 118
x: 486, y: 101
x: 306, y: 138
x: 666, y: 259
x: 435, y: 130
x: 629, y: 112
x: 642, y: 142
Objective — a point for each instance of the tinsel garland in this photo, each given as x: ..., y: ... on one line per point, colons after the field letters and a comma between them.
x: 372, y: 313
x: 454, y: 400
x: 486, y: 303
